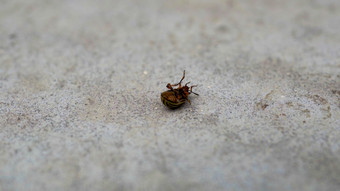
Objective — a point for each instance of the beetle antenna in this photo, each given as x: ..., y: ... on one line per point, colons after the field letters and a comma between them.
x: 194, y: 93
x: 187, y: 84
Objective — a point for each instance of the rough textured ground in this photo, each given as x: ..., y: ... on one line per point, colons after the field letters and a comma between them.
x: 80, y: 85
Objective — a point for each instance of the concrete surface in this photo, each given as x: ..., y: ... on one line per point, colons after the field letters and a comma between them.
x: 80, y: 85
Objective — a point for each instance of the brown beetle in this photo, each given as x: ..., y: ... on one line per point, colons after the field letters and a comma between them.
x: 174, y: 98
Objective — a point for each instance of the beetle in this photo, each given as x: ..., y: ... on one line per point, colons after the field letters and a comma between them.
x: 174, y: 98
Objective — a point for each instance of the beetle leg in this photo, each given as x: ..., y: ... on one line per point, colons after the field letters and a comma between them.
x: 188, y: 100
x: 192, y: 87
x: 176, y: 94
x: 169, y: 86
x: 179, y: 83
x: 182, y: 77
x: 192, y: 91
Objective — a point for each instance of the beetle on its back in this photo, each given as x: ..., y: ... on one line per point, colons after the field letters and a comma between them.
x: 174, y: 98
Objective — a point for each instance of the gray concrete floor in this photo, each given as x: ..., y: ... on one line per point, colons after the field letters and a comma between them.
x: 80, y: 85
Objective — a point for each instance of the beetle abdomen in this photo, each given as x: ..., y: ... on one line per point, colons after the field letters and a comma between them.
x: 170, y: 100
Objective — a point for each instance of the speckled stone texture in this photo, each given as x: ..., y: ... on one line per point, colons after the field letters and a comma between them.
x: 80, y: 85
